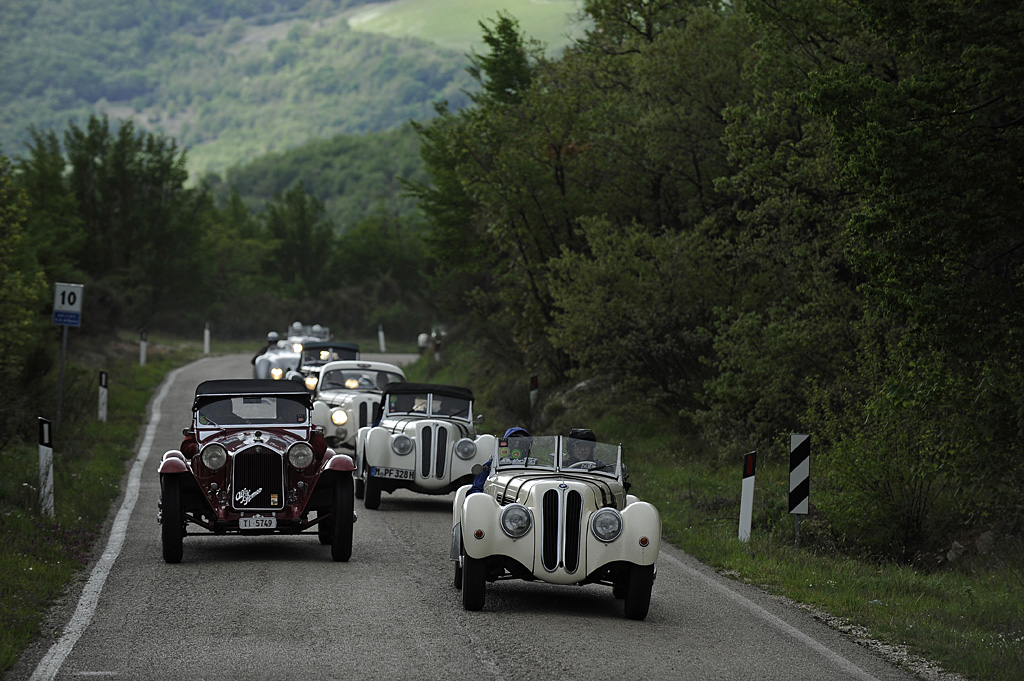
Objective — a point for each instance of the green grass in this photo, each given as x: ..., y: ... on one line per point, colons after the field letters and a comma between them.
x: 455, y: 24
x: 39, y: 555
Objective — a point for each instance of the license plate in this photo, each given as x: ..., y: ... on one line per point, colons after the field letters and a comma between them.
x: 396, y: 473
x: 257, y: 523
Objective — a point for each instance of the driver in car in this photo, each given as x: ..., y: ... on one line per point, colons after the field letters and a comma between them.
x: 581, y: 448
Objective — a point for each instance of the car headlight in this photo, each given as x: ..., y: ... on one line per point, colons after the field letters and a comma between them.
x: 401, y: 445
x: 339, y: 417
x: 311, y: 382
x: 516, y: 520
x: 465, y: 448
x: 276, y: 373
x: 214, y: 456
x: 300, y: 455
x: 297, y: 348
x: 606, y: 524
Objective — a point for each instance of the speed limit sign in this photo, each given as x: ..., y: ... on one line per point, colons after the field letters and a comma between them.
x: 67, y: 304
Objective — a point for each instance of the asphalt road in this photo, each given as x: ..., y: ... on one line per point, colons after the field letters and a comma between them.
x: 278, y: 608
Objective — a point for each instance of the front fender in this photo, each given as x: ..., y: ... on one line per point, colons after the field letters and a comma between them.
x: 339, y: 462
x: 639, y: 520
x: 173, y: 461
x: 482, y: 535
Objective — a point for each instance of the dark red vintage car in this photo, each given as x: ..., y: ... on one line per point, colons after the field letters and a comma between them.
x: 253, y: 463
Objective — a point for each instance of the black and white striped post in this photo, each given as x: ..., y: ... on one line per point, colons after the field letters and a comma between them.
x: 799, y: 478
x: 102, y: 415
x: 380, y: 338
x: 747, y: 495
x: 533, y: 391
x: 45, y: 467
x: 142, y: 348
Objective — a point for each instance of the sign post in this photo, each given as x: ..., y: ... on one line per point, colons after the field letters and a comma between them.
x: 67, y: 311
x: 533, y: 392
x: 142, y: 348
x: 206, y: 339
x: 799, y: 478
x: 380, y: 337
x: 102, y: 415
x: 45, y: 468
x: 747, y: 495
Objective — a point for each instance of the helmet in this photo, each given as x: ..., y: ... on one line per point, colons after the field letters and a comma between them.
x: 296, y: 326
x: 272, y: 337
x: 516, y: 431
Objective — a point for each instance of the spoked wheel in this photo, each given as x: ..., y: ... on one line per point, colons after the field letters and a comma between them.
x: 474, y: 583
x: 371, y: 497
x: 172, y: 519
x: 341, y: 536
x: 638, y: 593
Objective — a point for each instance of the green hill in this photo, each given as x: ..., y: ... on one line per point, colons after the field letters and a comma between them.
x: 233, y: 80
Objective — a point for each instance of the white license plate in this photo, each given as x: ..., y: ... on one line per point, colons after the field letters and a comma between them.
x: 396, y: 473
x: 258, y: 523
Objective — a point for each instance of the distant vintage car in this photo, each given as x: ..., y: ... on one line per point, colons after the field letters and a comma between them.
x: 317, y: 354
x: 426, y: 442
x: 252, y: 463
x: 555, y: 509
x: 346, y: 397
x: 283, y: 356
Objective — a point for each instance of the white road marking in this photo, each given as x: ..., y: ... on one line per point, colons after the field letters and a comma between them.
x: 54, y: 658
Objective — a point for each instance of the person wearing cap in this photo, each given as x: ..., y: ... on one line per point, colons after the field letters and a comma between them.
x: 485, y: 470
x: 272, y: 338
x: 582, y: 446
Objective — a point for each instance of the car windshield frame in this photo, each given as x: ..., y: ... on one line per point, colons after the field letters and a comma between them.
x: 426, y: 404
x: 366, y: 379
x: 558, y: 454
x: 247, y: 411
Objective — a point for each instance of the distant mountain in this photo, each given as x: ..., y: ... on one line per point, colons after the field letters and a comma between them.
x: 234, y: 80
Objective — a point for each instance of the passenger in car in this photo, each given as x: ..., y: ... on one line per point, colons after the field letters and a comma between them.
x: 485, y: 470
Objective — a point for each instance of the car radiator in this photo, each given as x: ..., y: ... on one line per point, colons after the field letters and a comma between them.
x: 433, y: 450
x: 257, y: 480
x: 561, y: 529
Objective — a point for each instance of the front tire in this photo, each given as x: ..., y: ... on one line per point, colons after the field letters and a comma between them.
x: 474, y: 583
x: 371, y: 497
x: 341, y: 536
x: 638, y: 593
x: 360, y: 487
x: 325, y: 530
x: 172, y: 520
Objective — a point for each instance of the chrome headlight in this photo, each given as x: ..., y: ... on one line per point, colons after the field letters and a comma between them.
x: 465, y: 448
x: 401, y: 445
x: 606, y: 524
x: 339, y: 417
x: 311, y: 382
x: 516, y: 520
x: 297, y: 348
x: 276, y: 373
x: 300, y: 455
x: 214, y: 456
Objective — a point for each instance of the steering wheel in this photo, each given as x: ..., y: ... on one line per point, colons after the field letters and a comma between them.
x: 583, y: 464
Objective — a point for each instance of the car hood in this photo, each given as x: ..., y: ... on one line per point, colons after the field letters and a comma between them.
x: 278, y: 440
x: 340, y: 398
x: 527, y: 488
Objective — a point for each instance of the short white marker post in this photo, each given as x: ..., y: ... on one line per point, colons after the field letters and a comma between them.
x: 380, y: 337
x: 45, y: 467
x: 533, y: 392
x: 102, y: 415
x: 142, y: 348
x: 206, y: 339
x: 747, y: 495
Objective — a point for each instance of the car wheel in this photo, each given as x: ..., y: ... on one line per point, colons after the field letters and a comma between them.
x: 371, y: 496
x: 325, y: 530
x: 360, y: 487
x: 341, y: 539
x: 620, y: 584
x: 638, y: 594
x: 458, y: 574
x: 172, y: 523
x: 474, y: 583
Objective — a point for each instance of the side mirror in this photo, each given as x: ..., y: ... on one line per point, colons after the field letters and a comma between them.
x: 479, y: 418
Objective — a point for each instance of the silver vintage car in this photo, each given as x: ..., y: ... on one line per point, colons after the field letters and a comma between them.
x: 555, y: 509
x: 346, y: 397
x: 425, y: 441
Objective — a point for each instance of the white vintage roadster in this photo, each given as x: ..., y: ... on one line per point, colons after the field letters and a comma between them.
x: 555, y: 509
x: 346, y: 397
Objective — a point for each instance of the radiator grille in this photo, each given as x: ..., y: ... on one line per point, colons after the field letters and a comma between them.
x: 433, y: 451
x: 363, y: 421
x: 426, y: 450
x: 257, y: 478
x: 562, y: 530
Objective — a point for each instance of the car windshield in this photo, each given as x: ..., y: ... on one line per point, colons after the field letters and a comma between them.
x: 527, y: 452
x: 321, y: 356
x: 252, y: 409
x: 428, y: 404
x: 585, y: 455
x: 359, y: 379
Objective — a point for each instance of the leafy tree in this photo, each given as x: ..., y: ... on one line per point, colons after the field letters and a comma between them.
x: 303, y: 241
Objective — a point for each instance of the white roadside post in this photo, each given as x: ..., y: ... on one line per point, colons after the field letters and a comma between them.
x: 533, y: 392
x: 142, y: 348
x: 67, y: 311
x: 206, y: 339
x: 103, y: 398
x: 45, y: 468
x: 747, y: 495
x: 799, y: 478
x: 380, y: 337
